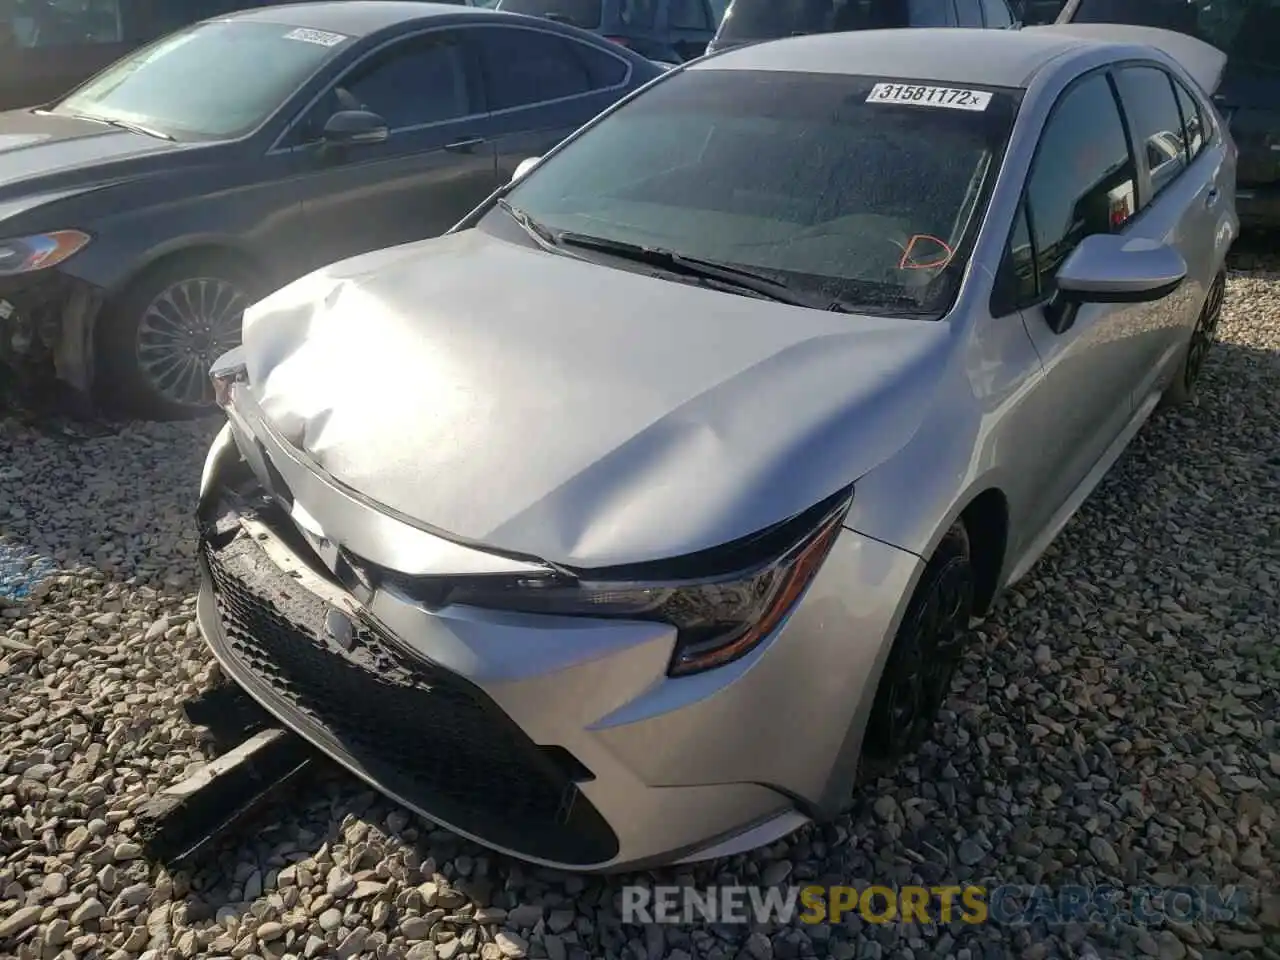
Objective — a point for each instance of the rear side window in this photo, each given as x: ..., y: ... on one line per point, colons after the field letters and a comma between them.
x: 1192, y: 120
x: 1156, y: 121
x: 579, y: 13
x: 526, y: 67
x: 997, y: 14
x: 1082, y: 179
x: 604, y: 69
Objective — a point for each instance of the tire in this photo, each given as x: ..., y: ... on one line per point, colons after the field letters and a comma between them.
x: 191, y: 307
x: 1183, y: 388
x: 922, y: 662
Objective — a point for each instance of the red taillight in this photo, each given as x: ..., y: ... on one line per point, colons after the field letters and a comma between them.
x: 620, y: 41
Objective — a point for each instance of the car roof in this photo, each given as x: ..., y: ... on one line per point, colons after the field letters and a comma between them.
x: 996, y: 58
x: 355, y: 18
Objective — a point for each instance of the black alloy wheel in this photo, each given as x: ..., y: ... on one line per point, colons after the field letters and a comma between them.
x: 926, y: 652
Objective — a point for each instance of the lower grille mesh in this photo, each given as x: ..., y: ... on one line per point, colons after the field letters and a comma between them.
x: 417, y: 730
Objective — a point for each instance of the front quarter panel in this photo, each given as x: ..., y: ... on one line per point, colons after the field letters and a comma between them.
x: 965, y: 443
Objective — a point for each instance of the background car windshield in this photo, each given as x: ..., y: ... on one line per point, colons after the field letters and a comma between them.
x: 209, y: 81
x: 749, y: 20
x: 796, y: 176
x: 1248, y: 31
x: 580, y: 13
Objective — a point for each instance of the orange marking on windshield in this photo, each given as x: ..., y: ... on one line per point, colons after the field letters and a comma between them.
x: 907, y: 263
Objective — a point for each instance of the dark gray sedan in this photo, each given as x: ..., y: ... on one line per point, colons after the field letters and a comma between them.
x: 140, y: 214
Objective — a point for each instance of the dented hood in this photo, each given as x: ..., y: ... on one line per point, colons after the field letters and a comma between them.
x: 585, y: 415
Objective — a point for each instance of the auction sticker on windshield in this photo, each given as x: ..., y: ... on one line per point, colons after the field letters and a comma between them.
x: 322, y: 37
x: 919, y: 96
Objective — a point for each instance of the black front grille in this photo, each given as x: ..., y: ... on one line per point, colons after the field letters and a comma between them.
x: 417, y: 730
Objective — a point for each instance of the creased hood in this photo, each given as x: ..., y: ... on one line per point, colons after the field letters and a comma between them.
x: 584, y: 415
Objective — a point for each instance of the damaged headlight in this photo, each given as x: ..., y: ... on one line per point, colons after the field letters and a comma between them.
x: 37, y: 252
x: 721, y: 616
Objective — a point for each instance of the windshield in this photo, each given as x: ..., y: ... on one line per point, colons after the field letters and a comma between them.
x: 751, y: 20
x: 841, y: 187
x: 1247, y: 31
x: 213, y: 80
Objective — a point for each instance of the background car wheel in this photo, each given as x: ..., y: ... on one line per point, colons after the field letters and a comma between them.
x: 923, y: 660
x: 167, y: 330
x: 1183, y: 388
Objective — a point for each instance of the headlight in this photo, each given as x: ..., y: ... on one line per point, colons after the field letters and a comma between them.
x: 39, y: 251
x: 719, y: 617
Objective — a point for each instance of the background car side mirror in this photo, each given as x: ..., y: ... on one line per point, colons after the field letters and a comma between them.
x: 523, y: 167
x: 348, y: 128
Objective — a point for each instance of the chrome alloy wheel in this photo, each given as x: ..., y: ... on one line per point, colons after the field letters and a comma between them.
x: 183, y: 331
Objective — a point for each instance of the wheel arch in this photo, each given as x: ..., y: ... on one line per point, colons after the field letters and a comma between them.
x: 984, y: 515
x: 161, y: 258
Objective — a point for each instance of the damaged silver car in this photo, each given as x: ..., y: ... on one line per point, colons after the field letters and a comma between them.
x: 644, y: 516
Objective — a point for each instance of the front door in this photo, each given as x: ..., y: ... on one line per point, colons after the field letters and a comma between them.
x: 1082, y: 182
x: 436, y: 165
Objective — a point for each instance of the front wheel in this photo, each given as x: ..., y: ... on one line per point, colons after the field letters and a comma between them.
x: 925, y: 653
x: 166, y: 332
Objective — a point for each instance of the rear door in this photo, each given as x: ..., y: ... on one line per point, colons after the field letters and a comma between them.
x: 1179, y: 201
x: 689, y: 25
x: 435, y: 166
x: 540, y: 86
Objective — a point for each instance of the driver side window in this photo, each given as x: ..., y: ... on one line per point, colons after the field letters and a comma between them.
x: 1082, y: 182
x: 412, y: 83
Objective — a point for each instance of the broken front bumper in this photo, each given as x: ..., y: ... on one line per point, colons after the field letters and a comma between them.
x: 558, y: 740
x: 46, y: 328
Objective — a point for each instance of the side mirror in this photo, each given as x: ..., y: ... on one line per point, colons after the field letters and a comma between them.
x: 524, y: 166
x: 351, y: 127
x: 1106, y: 268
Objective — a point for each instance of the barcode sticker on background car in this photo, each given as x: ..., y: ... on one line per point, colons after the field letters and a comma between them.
x: 322, y: 37
x: 918, y: 96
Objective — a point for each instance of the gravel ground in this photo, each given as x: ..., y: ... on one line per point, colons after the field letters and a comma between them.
x: 1117, y: 722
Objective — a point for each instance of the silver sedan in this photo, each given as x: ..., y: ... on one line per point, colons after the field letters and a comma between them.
x: 644, y: 516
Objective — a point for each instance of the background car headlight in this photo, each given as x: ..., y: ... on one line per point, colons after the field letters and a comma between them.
x: 719, y: 617
x: 41, y: 250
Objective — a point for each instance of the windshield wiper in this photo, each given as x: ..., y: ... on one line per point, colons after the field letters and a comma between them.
x: 723, y: 274
x: 123, y: 125
x: 532, y: 227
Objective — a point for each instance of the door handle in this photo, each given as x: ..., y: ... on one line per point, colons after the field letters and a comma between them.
x: 464, y: 146
x: 1211, y: 198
